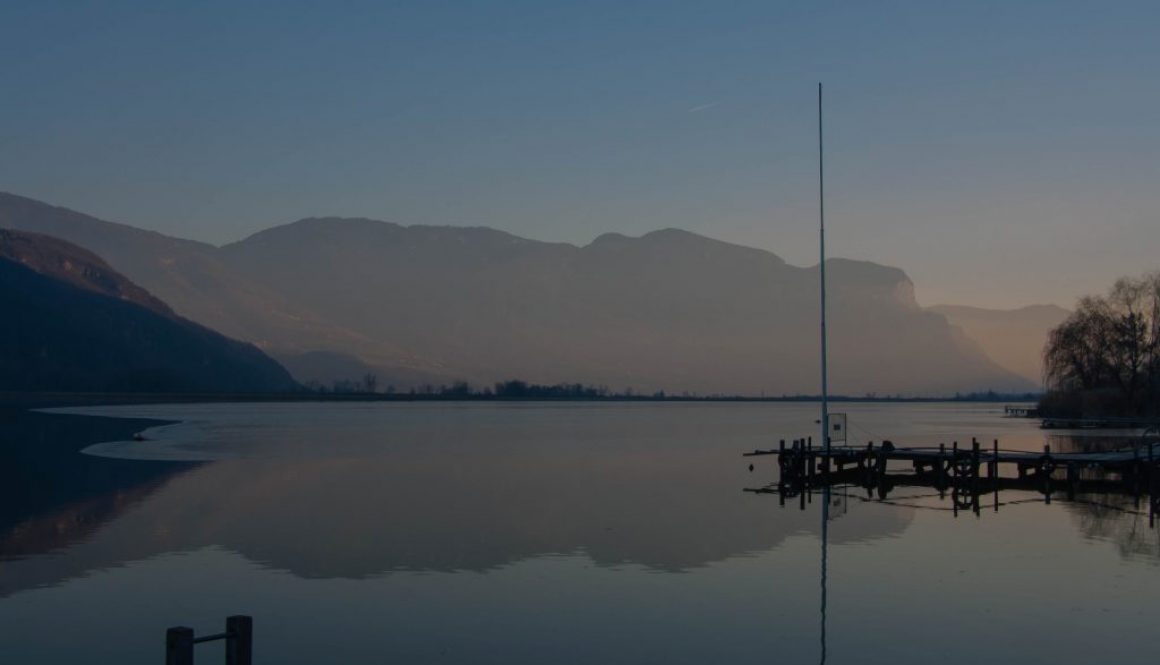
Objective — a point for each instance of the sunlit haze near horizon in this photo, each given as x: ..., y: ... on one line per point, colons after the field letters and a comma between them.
x: 1003, y: 154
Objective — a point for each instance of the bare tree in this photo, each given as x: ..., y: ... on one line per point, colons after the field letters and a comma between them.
x: 370, y: 382
x: 1106, y: 355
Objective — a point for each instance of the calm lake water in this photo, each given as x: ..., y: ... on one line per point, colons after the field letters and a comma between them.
x: 544, y: 533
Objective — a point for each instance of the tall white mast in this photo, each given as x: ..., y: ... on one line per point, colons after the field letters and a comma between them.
x: 825, y: 387
x: 825, y: 420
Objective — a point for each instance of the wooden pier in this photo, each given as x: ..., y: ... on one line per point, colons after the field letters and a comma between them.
x: 966, y: 472
x: 1058, y: 422
x: 1020, y: 411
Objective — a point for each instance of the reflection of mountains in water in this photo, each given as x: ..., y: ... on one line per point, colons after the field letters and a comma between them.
x: 413, y: 510
x: 51, y: 497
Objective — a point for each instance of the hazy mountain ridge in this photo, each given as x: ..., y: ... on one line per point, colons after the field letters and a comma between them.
x: 76, y: 266
x: 75, y: 324
x: 1014, y: 338
x: 670, y: 310
x: 187, y: 275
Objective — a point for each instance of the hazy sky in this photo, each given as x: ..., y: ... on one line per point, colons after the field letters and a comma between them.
x: 1002, y: 153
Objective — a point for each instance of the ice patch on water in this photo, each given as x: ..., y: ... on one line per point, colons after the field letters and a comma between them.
x: 185, y: 441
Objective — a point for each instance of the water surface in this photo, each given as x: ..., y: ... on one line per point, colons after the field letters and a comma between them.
x: 565, y: 533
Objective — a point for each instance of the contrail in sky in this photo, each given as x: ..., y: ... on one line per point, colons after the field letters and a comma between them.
x: 703, y: 107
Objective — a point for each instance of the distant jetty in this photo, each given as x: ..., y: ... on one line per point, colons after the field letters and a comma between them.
x: 967, y: 473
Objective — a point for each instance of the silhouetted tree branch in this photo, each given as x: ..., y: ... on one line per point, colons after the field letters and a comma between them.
x: 1105, y: 358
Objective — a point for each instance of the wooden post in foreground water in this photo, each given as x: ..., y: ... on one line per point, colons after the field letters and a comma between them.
x: 179, y: 646
x: 238, y: 638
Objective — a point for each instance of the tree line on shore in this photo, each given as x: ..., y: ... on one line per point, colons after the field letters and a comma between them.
x: 517, y: 389
x: 1104, y: 360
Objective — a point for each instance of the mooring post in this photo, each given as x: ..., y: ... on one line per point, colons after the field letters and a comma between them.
x: 954, y: 470
x: 940, y: 471
x: 240, y: 644
x: 881, y: 459
x: 808, y: 462
x: 974, y: 459
x: 825, y: 461
x: 781, y: 460
x: 179, y: 646
x: 994, y: 470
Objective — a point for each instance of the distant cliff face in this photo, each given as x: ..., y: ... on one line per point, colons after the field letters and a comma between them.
x: 1012, y: 338
x: 72, y: 323
x: 667, y: 311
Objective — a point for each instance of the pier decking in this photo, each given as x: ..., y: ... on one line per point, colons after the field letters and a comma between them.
x: 966, y: 472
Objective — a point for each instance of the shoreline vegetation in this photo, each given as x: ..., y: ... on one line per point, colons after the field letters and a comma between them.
x: 1104, y: 360
x: 507, y: 391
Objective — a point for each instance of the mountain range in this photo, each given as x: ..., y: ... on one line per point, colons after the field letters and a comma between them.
x: 1014, y: 338
x: 74, y: 324
x: 670, y: 310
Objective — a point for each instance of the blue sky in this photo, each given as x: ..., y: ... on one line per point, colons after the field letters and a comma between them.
x: 1002, y: 153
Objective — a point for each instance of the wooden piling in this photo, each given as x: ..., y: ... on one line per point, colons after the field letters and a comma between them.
x: 240, y: 644
x: 179, y: 646
x: 974, y: 460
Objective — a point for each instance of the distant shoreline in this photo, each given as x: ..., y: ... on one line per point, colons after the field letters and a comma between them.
x: 48, y: 400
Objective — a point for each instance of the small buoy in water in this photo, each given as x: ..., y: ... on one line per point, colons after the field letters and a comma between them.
x: 751, y: 467
x: 138, y: 437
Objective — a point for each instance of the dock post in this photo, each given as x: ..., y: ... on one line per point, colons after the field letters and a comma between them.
x: 881, y: 459
x: 810, y: 462
x: 975, y: 476
x: 1046, y: 466
x: 995, y: 472
x: 993, y: 469
x: 940, y: 471
x: 179, y: 646
x: 240, y: 645
x: 782, y: 461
